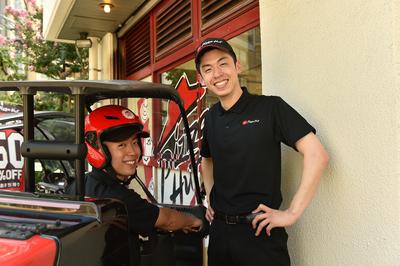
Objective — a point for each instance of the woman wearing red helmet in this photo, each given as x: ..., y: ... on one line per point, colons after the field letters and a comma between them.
x: 113, y: 138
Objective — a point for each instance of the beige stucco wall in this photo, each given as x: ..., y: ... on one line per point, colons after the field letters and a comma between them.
x: 101, y: 57
x: 108, y: 48
x: 54, y: 16
x: 338, y: 63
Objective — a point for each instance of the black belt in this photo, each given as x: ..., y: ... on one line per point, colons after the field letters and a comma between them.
x: 235, y: 219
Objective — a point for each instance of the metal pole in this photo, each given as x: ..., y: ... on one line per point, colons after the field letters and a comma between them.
x: 79, y: 139
x: 191, y: 153
x: 28, y: 119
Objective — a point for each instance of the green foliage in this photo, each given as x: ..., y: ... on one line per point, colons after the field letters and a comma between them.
x: 59, y: 60
x: 8, y: 67
x: 43, y: 101
x: 53, y: 102
x: 25, y: 49
x: 11, y: 98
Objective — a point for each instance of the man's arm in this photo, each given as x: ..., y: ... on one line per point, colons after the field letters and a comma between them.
x: 172, y: 220
x: 208, y: 179
x: 314, y: 162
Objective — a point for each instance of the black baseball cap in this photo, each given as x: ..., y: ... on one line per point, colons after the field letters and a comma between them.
x: 209, y: 44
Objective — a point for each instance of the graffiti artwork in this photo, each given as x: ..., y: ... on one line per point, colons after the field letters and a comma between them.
x: 170, y: 168
x: 176, y: 186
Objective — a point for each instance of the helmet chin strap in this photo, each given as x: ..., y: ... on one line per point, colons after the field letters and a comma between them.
x: 145, y: 189
x: 113, y: 174
x: 128, y: 181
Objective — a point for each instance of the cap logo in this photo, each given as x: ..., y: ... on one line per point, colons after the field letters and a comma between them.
x: 128, y: 114
x: 212, y: 42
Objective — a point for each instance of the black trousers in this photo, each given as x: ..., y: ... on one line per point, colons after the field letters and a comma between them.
x: 236, y: 245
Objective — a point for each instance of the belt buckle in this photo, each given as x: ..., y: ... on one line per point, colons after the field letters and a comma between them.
x: 230, y: 219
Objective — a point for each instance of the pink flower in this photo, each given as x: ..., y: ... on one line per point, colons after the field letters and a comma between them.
x: 32, y: 2
x: 22, y: 13
x: 11, y: 11
x: 8, y: 9
x: 3, y: 40
x: 29, y: 24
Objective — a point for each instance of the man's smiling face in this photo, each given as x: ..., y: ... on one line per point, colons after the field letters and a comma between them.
x: 220, y: 73
x: 124, y: 156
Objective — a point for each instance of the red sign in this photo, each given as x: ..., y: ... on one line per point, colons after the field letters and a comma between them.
x: 11, y: 161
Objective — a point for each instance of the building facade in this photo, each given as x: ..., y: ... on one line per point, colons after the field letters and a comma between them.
x: 337, y: 62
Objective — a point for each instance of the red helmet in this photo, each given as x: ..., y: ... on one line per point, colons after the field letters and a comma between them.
x: 107, y: 120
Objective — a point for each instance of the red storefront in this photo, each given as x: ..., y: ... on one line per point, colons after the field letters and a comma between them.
x: 160, y: 48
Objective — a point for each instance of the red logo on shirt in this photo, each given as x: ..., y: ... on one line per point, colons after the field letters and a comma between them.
x: 246, y: 122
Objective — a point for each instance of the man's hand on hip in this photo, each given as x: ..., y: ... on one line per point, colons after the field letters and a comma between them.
x: 271, y: 218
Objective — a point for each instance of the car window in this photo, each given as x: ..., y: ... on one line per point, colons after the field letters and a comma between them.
x: 48, y: 128
x: 59, y: 129
x: 55, y: 129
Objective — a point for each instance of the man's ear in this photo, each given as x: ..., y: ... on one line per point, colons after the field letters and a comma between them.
x: 201, y: 80
x: 238, y: 66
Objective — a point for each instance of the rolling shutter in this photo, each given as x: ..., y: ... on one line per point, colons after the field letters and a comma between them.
x: 138, y: 46
x: 214, y: 12
x: 173, y: 25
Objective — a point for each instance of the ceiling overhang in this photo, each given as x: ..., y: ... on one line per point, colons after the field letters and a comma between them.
x: 65, y: 19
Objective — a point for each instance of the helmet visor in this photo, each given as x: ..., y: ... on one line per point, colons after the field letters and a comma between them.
x: 121, y: 133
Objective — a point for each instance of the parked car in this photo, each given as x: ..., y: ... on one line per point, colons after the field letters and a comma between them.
x: 52, y: 175
x: 39, y: 228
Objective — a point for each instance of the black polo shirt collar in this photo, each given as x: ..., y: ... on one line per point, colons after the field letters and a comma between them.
x: 239, y: 106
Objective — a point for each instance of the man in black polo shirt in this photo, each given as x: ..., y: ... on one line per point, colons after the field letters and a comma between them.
x: 113, y: 138
x: 241, y: 164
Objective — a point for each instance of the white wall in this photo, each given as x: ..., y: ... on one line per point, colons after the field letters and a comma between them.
x: 338, y: 63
